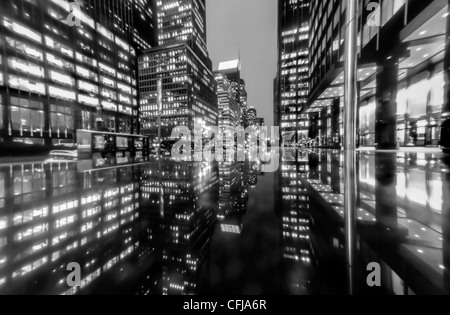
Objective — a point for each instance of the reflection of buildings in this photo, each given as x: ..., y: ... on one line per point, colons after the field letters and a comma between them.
x: 294, y: 211
x: 400, y: 219
x: 182, y: 63
x: 55, y: 79
x: 403, y: 59
x: 179, y: 204
x: 292, y: 83
x: 233, y: 196
x: 52, y: 215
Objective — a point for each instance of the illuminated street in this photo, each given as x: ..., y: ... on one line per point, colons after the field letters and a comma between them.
x: 165, y: 228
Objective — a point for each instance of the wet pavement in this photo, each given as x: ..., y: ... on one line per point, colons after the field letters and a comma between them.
x: 166, y: 227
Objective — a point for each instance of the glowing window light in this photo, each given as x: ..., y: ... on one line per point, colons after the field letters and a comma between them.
x: 22, y: 30
x: 3, y: 223
x: 88, y: 100
x: 26, y: 85
x: 102, y: 30
x: 26, y: 67
x: 62, y: 78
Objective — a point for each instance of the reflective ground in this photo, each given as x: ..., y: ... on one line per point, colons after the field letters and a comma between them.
x: 166, y: 227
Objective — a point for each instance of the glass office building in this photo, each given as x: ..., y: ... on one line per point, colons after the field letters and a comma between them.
x: 292, y: 83
x: 55, y: 78
x: 182, y: 64
x: 402, y: 57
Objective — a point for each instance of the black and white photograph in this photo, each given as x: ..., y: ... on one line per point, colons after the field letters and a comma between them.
x: 225, y: 152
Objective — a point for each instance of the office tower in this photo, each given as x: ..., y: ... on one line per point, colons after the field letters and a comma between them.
x: 183, y: 21
x: 253, y: 119
x: 232, y: 70
x: 293, y: 70
x: 403, y: 58
x: 182, y: 65
x: 56, y: 78
x: 229, y: 110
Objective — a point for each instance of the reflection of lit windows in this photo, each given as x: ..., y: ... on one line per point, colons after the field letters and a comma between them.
x: 30, y: 267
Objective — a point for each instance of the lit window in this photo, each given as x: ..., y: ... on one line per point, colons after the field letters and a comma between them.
x: 22, y: 30
x: 62, y: 78
x: 62, y: 93
x: 26, y: 85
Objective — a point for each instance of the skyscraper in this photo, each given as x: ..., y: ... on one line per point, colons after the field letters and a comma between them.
x: 293, y: 69
x: 229, y: 109
x: 55, y: 78
x: 182, y: 65
x: 232, y: 71
x: 401, y: 72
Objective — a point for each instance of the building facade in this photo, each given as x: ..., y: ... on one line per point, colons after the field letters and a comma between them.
x: 229, y: 110
x: 232, y: 71
x: 253, y: 119
x: 56, y: 78
x: 400, y: 72
x: 292, y: 82
x: 182, y: 65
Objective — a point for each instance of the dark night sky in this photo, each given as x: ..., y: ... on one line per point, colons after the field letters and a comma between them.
x: 251, y: 27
